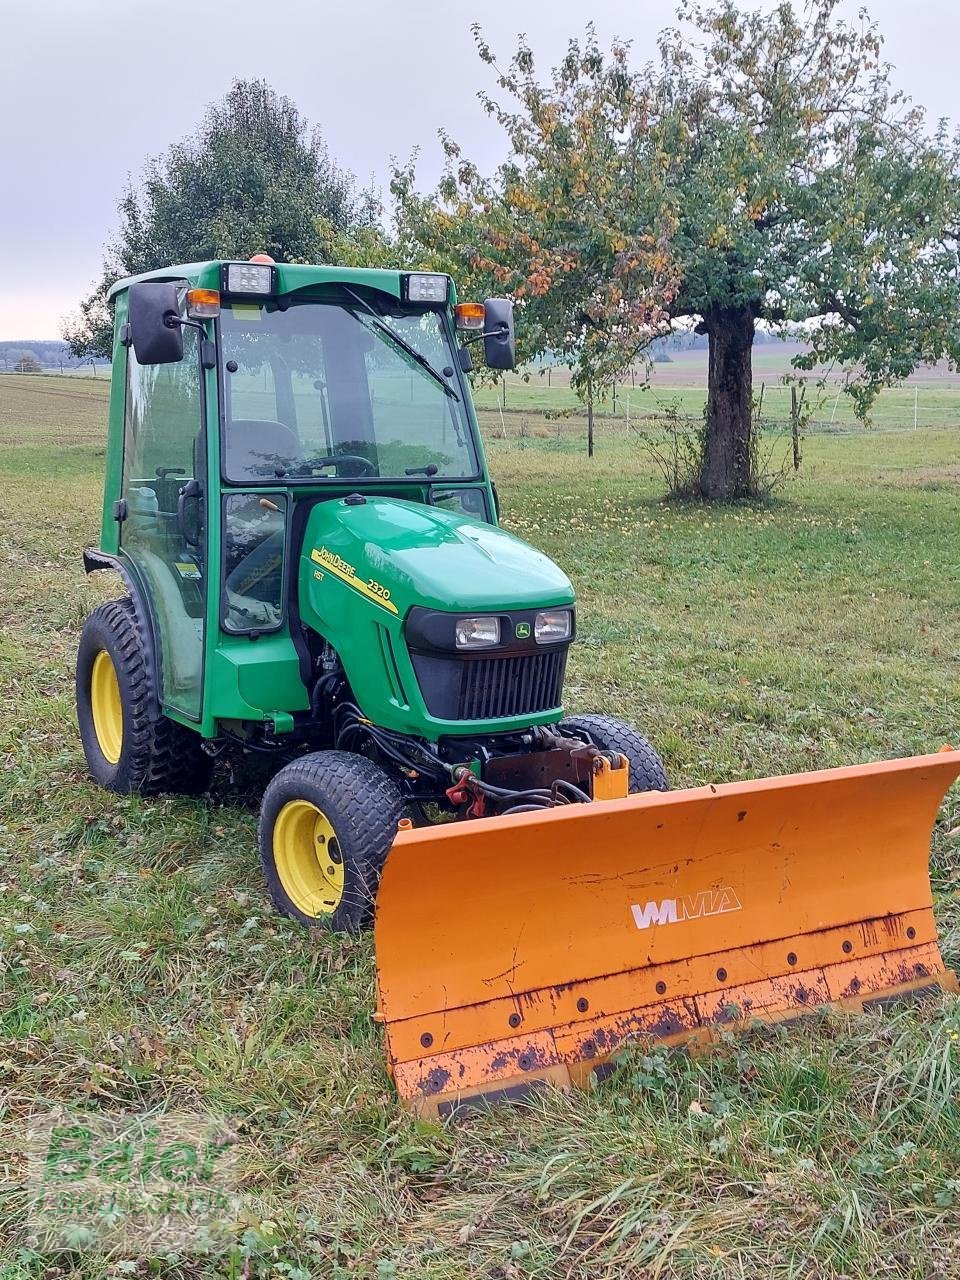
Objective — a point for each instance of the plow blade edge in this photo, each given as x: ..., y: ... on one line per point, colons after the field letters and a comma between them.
x: 529, y: 947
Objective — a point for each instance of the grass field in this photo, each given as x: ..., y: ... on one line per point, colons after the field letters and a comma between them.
x: 141, y: 967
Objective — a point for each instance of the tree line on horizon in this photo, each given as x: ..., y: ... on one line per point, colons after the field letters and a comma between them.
x: 44, y: 353
x: 761, y: 170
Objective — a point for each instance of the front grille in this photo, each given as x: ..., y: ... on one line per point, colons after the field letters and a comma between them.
x: 515, y: 686
x: 491, y: 688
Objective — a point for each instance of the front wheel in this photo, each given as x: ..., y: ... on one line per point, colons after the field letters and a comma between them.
x: 327, y: 823
x: 646, y: 768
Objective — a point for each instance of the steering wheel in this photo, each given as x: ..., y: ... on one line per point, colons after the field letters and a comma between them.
x: 361, y: 466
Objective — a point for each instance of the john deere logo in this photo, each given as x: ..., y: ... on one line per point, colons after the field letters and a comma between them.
x: 523, y: 631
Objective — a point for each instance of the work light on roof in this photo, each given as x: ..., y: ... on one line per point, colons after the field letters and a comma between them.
x: 422, y: 287
x: 250, y: 278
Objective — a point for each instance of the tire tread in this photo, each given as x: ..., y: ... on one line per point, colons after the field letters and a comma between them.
x: 606, y: 732
x: 369, y: 807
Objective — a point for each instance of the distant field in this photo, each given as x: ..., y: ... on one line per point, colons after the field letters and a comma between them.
x: 933, y: 395
x: 538, y: 402
x: 771, y: 362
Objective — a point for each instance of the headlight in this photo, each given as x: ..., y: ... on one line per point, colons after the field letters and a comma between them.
x: 477, y: 633
x: 552, y: 624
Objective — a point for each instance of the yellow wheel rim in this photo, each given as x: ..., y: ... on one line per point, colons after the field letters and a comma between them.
x: 308, y: 859
x: 106, y: 706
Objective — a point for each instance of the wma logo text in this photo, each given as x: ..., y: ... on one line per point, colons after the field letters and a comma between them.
x: 708, y: 902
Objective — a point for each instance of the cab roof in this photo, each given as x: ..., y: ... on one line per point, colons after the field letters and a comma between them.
x: 290, y: 276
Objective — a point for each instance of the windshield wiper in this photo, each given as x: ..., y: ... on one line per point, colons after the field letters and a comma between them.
x: 402, y: 343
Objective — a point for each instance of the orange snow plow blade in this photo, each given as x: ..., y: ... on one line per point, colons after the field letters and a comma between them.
x: 527, y: 948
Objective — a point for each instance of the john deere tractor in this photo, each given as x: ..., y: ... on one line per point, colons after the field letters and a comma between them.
x: 298, y: 504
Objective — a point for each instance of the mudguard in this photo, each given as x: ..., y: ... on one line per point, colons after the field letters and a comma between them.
x: 95, y: 560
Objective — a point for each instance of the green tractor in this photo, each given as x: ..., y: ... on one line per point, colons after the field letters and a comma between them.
x: 298, y: 504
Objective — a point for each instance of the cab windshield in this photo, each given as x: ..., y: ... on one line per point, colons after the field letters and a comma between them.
x: 355, y: 386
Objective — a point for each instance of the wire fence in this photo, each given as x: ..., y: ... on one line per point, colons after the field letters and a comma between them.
x: 524, y: 405
x: 537, y: 410
x: 83, y: 369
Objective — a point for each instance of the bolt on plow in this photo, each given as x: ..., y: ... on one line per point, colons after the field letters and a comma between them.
x: 528, y: 948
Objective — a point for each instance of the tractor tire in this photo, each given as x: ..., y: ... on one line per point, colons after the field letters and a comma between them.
x: 646, y: 768
x: 126, y: 750
x: 327, y: 822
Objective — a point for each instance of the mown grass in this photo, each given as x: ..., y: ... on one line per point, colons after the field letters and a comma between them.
x: 141, y: 967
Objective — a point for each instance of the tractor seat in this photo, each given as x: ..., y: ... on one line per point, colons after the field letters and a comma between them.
x: 256, y: 448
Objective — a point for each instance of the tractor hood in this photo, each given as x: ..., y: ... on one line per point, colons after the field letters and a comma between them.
x: 398, y: 554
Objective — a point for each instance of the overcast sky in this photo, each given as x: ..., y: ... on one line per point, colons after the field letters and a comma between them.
x: 90, y: 88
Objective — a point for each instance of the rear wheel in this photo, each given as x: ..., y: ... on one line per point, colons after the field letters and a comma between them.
x: 326, y: 825
x: 126, y: 750
x: 646, y: 768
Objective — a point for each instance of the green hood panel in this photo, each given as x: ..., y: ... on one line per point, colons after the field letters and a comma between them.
x: 426, y: 556
x: 364, y: 566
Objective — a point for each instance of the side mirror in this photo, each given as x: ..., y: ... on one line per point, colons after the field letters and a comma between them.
x: 499, y: 339
x: 153, y: 314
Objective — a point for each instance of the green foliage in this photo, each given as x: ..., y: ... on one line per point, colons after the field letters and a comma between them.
x: 252, y: 178
x: 562, y: 227
x: 808, y: 188
x: 761, y: 169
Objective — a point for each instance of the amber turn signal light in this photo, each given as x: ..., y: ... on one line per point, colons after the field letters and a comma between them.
x: 469, y: 315
x: 203, y: 304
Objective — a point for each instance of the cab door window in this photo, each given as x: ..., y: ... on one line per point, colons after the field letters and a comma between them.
x: 163, y: 533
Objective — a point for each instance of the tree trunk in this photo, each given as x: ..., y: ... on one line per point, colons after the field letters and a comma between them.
x: 725, y: 469
x: 590, y: 425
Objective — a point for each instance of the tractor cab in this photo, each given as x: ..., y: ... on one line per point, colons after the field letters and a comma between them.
x: 340, y: 386
x: 248, y: 392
